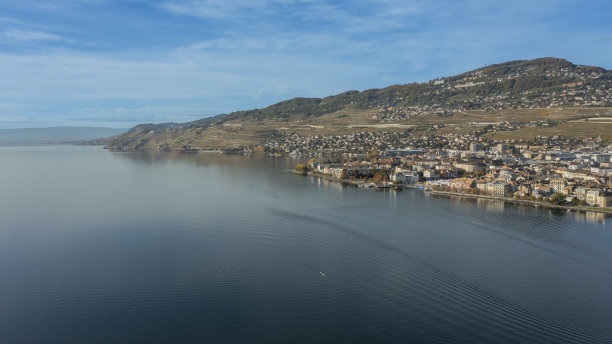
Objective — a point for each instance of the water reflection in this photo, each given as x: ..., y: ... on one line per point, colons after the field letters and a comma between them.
x: 491, y: 204
x: 228, y: 248
x: 261, y: 161
x: 591, y: 217
x: 195, y: 158
x: 557, y: 212
x: 501, y: 206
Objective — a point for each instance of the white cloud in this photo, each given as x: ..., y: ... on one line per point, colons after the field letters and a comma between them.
x: 268, y: 51
x: 214, y: 8
x: 183, y: 84
x: 309, y: 16
x: 23, y: 35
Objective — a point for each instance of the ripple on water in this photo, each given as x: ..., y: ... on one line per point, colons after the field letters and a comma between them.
x: 447, y: 295
x: 235, y: 256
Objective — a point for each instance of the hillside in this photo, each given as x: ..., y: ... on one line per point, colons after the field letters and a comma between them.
x: 520, y: 93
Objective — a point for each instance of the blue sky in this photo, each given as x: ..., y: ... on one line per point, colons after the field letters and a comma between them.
x: 120, y: 63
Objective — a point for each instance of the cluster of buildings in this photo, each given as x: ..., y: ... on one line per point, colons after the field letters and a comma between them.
x: 583, y: 176
x: 431, y: 138
x: 398, y: 113
x: 590, y: 87
x: 357, y: 143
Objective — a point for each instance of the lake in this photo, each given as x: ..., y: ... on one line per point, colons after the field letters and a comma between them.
x: 103, y: 247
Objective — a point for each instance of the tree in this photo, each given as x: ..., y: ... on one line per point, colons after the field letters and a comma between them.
x: 575, y: 201
x: 380, y: 177
x: 558, y: 199
x: 302, y: 168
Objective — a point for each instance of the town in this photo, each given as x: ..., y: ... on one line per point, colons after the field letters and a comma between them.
x: 555, y: 170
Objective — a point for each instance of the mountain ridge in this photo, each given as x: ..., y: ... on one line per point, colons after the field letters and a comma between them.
x: 520, y: 84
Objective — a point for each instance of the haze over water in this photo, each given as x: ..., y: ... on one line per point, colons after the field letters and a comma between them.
x: 103, y: 247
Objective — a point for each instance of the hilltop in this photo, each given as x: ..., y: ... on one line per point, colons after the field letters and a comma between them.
x: 521, y: 94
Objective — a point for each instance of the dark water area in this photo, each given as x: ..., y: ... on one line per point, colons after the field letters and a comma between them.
x: 102, y: 247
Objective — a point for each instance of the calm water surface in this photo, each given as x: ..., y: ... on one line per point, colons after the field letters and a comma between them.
x: 101, y: 247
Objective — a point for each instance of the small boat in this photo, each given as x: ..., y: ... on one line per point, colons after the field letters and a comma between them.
x: 322, y: 274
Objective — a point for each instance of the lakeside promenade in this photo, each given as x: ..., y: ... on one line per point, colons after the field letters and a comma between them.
x: 536, y: 204
x: 533, y: 203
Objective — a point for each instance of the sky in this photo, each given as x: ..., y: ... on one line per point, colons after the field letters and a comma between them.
x: 121, y: 63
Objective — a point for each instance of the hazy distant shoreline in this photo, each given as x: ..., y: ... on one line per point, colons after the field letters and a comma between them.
x: 56, y: 135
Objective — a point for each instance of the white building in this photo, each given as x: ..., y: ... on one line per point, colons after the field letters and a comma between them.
x: 406, y: 177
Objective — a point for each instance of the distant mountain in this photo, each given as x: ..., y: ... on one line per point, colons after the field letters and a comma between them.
x: 523, y: 84
x: 55, y: 135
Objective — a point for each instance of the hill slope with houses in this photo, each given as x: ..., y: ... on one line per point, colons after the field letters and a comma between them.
x: 516, y: 100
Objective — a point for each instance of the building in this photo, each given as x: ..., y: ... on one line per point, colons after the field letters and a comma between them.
x: 604, y: 200
x: 602, y: 158
x: 468, y: 167
x: 406, y: 177
x: 500, y: 148
x: 524, y: 189
x: 357, y: 169
x: 499, y: 189
x: 592, y: 198
x: 506, y: 175
x: 558, y: 184
x: 477, y: 147
x: 431, y: 174
x: 580, y: 193
x: 336, y: 171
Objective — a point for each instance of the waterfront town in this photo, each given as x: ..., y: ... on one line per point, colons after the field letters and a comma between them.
x: 554, y: 170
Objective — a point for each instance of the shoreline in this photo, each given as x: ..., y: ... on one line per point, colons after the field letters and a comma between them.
x: 535, y: 204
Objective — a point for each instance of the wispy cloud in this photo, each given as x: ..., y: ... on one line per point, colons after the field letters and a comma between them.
x: 58, y: 4
x: 367, y: 14
x: 167, y: 60
x: 23, y: 35
x: 174, y: 86
x: 214, y: 8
